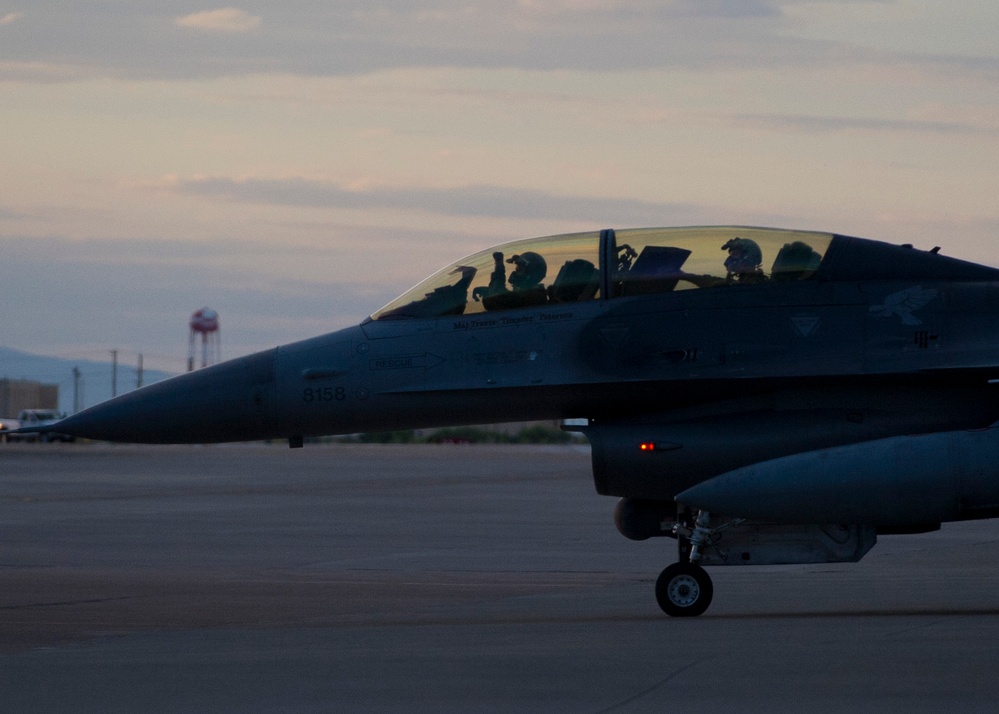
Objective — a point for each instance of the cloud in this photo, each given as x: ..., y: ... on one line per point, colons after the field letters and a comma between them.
x: 475, y: 200
x: 820, y: 124
x: 725, y: 8
x: 349, y: 37
x: 40, y: 72
x: 10, y: 18
x: 8, y: 215
x: 626, y: 9
x: 228, y: 20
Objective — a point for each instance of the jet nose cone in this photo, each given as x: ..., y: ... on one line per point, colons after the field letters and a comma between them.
x: 232, y: 401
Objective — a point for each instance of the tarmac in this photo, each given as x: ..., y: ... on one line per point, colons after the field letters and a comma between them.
x: 450, y: 578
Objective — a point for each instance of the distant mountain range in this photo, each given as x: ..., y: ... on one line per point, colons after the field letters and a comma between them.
x: 95, y: 377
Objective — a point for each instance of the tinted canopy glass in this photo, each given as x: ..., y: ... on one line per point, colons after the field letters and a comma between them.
x: 527, y: 273
x: 566, y: 268
x: 651, y: 260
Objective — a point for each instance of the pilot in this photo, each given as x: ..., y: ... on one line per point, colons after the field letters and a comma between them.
x: 530, y: 270
x: 744, y: 265
x: 744, y: 262
x: 525, y: 280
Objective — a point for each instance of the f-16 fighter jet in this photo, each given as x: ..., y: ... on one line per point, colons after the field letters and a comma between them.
x: 760, y: 396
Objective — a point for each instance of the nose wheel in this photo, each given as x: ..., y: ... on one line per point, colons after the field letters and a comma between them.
x: 684, y: 590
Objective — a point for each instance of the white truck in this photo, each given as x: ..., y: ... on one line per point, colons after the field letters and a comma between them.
x: 40, y: 417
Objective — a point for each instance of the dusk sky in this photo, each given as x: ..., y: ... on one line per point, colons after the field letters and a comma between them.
x: 296, y: 165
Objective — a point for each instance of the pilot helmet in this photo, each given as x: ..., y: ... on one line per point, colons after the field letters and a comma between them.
x: 744, y: 256
x: 530, y: 270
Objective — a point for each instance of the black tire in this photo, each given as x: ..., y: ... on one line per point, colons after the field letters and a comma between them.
x: 684, y: 590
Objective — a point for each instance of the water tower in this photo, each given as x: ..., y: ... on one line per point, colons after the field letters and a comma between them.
x: 205, y: 323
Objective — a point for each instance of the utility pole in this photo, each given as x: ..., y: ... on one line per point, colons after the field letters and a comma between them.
x: 138, y: 373
x: 76, y: 389
x: 114, y: 373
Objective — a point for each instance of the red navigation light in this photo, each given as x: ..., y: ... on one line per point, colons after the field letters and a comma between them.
x: 647, y: 446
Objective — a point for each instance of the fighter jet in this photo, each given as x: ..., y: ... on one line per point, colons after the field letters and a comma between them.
x: 761, y: 396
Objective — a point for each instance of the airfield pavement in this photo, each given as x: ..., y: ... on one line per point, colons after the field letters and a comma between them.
x: 350, y: 578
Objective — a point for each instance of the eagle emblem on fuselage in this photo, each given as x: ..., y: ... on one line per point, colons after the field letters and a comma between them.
x: 903, y: 303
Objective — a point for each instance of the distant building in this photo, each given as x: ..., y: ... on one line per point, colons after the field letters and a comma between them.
x: 16, y: 395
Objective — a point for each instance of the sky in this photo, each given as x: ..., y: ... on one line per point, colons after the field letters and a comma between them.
x: 296, y: 165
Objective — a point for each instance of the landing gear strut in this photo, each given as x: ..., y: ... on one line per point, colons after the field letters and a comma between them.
x: 684, y: 589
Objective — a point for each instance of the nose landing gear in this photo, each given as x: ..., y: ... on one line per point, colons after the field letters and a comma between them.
x: 684, y: 589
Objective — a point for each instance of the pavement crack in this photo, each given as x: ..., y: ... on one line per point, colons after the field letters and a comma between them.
x: 672, y: 675
x: 92, y: 601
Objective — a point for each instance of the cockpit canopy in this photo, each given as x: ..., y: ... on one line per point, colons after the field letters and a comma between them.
x: 583, y: 266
